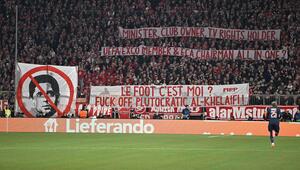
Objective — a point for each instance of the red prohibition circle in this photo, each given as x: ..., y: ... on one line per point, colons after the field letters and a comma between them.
x: 37, y: 69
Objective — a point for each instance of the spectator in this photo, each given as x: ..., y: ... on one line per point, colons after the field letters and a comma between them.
x: 203, y: 113
x: 115, y: 113
x: 133, y: 114
x: 157, y: 116
x: 287, y: 116
x: 297, y: 116
x: 249, y: 117
x: 83, y: 112
x: 7, y: 112
x: 186, y: 112
x: 232, y: 116
x: 203, y: 116
x: 2, y: 113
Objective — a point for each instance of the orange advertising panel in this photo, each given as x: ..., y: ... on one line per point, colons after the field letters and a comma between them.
x: 257, y: 128
x: 3, y: 124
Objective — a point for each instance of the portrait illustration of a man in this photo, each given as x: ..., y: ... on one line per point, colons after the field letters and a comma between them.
x: 42, y: 107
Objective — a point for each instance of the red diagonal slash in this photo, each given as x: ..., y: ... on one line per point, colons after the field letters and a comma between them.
x: 46, y: 95
x: 38, y: 69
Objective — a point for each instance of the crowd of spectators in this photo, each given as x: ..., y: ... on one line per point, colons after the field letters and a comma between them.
x: 72, y: 32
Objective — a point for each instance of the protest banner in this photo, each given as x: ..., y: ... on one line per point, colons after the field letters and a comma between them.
x: 195, y: 53
x: 204, y: 32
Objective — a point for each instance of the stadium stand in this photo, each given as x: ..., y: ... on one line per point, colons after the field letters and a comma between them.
x: 72, y: 32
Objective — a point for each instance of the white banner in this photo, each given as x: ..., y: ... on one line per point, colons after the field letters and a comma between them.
x: 194, y: 53
x: 46, y: 90
x: 169, y: 95
x: 207, y: 32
